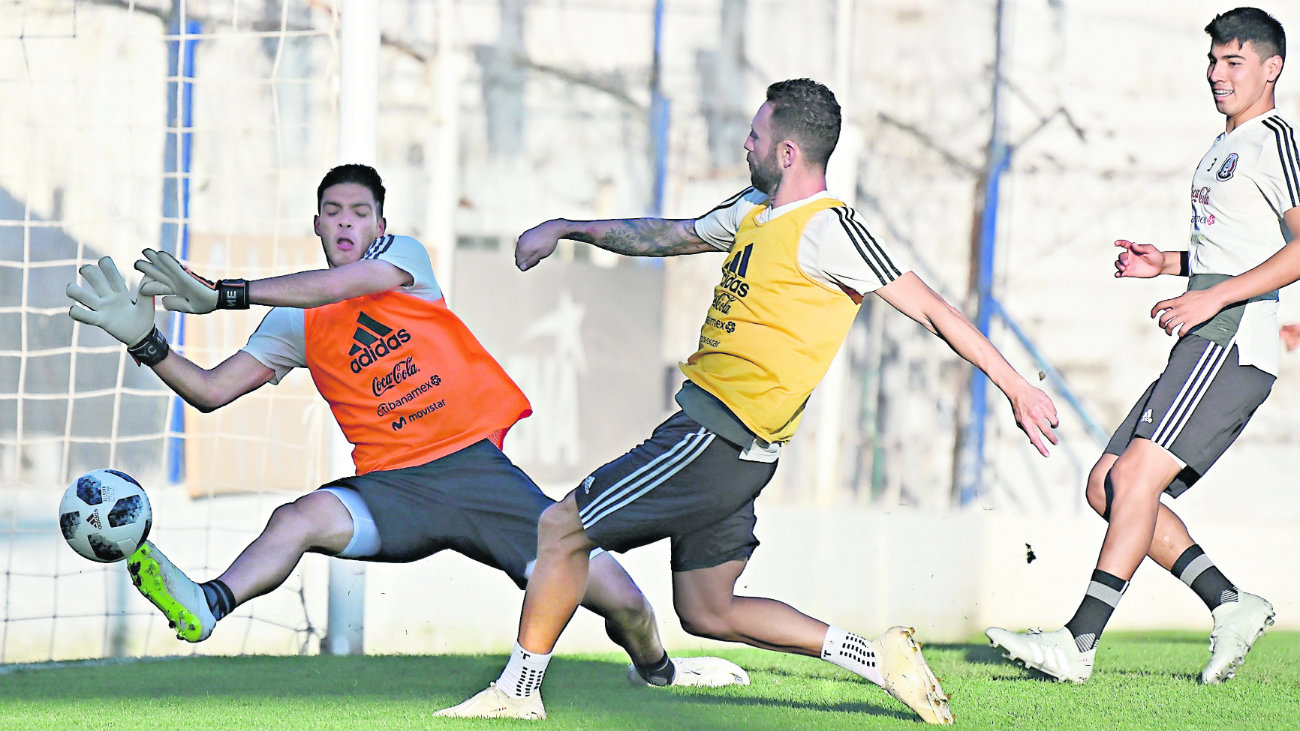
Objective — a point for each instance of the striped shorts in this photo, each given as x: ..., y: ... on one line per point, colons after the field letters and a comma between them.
x: 684, y: 483
x: 1196, y: 408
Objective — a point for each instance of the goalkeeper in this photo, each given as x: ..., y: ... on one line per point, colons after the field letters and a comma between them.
x: 424, y: 405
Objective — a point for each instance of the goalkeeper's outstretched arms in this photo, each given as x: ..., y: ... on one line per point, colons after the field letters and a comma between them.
x: 106, y: 303
x: 185, y: 291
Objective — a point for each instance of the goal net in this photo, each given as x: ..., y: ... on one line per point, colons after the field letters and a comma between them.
x: 194, y: 128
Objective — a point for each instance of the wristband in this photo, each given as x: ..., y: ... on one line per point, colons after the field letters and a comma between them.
x: 232, y: 294
x: 1182, y: 263
x: 151, y: 350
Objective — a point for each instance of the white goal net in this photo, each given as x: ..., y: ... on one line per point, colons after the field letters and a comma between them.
x: 195, y: 128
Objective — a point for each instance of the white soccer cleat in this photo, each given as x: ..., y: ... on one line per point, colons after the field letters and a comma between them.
x: 174, y: 594
x: 908, y: 678
x: 1052, y: 653
x: 698, y: 672
x: 1236, y: 627
x: 492, y: 702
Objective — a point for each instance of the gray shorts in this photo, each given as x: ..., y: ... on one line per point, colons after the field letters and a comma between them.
x: 1196, y: 408
x: 474, y: 501
x: 684, y: 483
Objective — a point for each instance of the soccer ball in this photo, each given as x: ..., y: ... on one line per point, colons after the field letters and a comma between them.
x: 105, y: 515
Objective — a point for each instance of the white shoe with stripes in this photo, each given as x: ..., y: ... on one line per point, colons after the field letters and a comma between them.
x: 1052, y: 653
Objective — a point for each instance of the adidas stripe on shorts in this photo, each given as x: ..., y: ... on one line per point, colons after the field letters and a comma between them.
x: 684, y: 483
x: 1196, y: 408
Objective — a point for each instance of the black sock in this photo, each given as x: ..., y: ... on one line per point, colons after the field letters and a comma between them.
x: 1196, y: 570
x: 1094, y: 611
x: 220, y: 599
x: 659, y: 673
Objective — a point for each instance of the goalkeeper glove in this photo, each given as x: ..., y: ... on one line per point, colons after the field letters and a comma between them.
x: 186, y: 291
x: 108, y: 306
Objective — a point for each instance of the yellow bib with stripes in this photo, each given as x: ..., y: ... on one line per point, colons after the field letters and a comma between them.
x: 771, y: 331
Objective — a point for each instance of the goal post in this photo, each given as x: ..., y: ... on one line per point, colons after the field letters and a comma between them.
x: 358, y: 120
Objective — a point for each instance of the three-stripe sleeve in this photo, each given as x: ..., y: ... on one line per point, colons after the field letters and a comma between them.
x: 1288, y: 155
x: 872, y: 252
x: 379, y: 246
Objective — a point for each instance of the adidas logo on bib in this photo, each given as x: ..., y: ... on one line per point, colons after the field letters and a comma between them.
x: 374, y: 340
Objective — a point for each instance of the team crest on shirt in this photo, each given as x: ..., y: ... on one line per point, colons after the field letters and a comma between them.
x: 1228, y: 168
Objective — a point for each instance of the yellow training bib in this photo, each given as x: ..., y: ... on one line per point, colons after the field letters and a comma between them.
x: 771, y: 331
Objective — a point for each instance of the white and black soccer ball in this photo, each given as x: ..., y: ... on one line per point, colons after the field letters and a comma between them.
x: 105, y: 515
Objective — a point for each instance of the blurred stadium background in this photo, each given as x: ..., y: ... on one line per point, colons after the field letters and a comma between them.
x: 203, y: 127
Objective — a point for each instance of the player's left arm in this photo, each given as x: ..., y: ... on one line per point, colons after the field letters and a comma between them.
x: 1033, y: 410
x: 1179, y: 314
x: 185, y: 291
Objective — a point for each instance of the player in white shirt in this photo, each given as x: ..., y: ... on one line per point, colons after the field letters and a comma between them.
x: 1244, y: 245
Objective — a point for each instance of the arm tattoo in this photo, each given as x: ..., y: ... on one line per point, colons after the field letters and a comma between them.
x: 647, y: 237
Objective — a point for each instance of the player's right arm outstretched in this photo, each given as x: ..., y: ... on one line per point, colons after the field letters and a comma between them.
x: 627, y: 236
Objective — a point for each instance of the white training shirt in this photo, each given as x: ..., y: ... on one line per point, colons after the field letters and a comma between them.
x: 279, y: 342
x: 827, y: 252
x: 1240, y: 190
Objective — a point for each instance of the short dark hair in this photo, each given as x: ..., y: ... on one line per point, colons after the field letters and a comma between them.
x: 1249, y: 24
x: 806, y: 112
x: 354, y: 173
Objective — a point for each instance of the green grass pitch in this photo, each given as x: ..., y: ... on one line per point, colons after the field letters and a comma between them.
x: 1142, y: 681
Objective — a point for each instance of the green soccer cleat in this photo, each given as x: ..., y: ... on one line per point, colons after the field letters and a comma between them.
x: 908, y: 678
x: 1236, y: 627
x: 492, y: 702
x: 179, y: 599
x: 698, y: 672
x: 1054, y: 654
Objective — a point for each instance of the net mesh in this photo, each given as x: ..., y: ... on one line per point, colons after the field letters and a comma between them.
x: 185, y: 127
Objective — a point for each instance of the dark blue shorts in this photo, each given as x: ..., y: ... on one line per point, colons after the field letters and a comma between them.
x: 684, y: 483
x: 475, y: 502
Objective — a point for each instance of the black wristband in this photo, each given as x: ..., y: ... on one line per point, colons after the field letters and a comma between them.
x: 151, y: 350
x: 1182, y: 263
x: 232, y: 294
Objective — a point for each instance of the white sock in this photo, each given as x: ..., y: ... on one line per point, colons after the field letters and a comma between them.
x: 523, y: 674
x: 853, y: 653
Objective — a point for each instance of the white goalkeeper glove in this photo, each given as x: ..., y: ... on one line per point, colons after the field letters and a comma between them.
x: 108, y: 305
x: 185, y: 291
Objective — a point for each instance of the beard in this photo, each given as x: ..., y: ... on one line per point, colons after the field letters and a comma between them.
x: 764, y: 174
